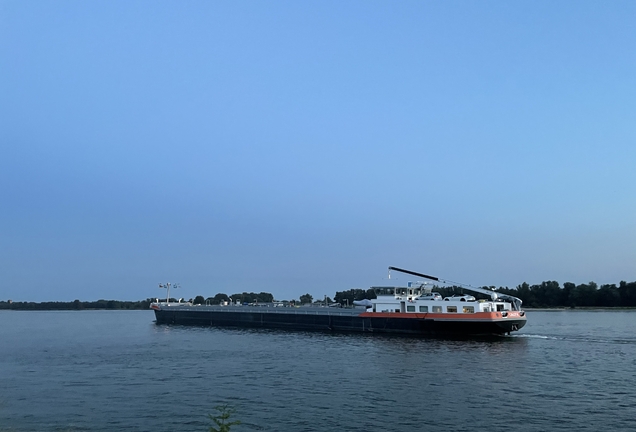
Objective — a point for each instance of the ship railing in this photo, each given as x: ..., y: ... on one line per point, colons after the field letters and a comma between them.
x: 291, y: 311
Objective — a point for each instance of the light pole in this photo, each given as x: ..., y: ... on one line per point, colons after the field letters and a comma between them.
x: 167, y: 287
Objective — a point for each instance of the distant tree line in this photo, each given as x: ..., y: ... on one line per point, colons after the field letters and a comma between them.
x: 551, y: 294
x: 244, y: 297
x: 346, y: 298
x: 548, y: 294
x: 252, y: 298
x: 77, y: 305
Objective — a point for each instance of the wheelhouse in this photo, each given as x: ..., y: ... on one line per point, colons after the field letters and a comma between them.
x: 417, y: 299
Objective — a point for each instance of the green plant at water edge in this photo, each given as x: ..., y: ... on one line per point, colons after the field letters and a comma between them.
x: 222, y: 419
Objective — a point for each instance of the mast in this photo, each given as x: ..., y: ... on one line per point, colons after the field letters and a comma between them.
x: 167, y: 286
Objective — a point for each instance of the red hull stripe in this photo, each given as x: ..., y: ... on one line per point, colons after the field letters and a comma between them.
x: 478, y: 316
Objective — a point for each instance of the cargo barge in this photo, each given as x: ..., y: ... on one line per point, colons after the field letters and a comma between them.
x: 411, y: 310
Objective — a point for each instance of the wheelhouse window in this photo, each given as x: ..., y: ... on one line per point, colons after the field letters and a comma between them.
x: 423, y: 308
x: 469, y: 309
x: 384, y: 290
x: 410, y: 308
x: 451, y: 309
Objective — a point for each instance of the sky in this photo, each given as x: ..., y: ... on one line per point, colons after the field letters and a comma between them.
x: 303, y: 147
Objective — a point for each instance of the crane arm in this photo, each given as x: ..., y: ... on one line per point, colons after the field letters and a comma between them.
x: 493, y: 295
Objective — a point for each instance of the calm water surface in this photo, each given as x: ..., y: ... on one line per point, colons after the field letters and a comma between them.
x: 118, y: 370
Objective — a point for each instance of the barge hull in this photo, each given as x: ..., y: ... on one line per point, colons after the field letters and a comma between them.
x: 353, y: 323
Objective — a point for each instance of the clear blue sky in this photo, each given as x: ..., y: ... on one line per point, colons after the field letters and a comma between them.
x: 305, y: 146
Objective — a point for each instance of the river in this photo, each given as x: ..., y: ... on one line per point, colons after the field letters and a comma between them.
x: 119, y: 371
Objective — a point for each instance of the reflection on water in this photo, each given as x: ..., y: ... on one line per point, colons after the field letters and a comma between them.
x: 117, y: 370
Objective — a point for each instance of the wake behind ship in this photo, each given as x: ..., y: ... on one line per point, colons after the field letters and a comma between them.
x: 411, y: 310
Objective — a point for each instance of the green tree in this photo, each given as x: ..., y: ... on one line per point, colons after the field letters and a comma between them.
x: 220, y: 297
x: 264, y: 297
x: 198, y: 300
x: 347, y: 297
x: 607, y: 296
x: 306, y: 298
x: 251, y: 297
x: 222, y: 419
x: 584, y: 295
x: 627, y: 293
x: 567, y: 296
